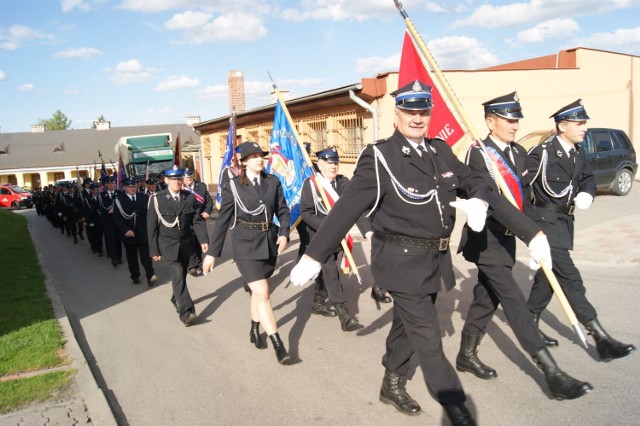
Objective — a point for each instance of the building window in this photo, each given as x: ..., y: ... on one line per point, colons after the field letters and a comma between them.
x: 348, y: 133
x: 314, y: 131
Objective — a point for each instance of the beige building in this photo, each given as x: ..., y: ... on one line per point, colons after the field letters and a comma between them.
x: 39, y: 158
x: 352, y: 116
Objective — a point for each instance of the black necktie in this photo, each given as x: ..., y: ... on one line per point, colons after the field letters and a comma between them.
x: 423, y: 151
x: 256, y: 183
x: 507, y: 154
x: 334, y: 186
x: 572, y: 155
x: 133, y: 198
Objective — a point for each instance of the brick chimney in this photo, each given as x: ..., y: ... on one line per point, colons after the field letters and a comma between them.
x: 102, y: 125
x: 235, y: 81
x: 193, y: 120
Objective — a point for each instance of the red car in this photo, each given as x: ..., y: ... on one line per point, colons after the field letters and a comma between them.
x: 13, y: 196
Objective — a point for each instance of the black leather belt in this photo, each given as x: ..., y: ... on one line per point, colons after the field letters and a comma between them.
x: 441, y: 244
x: 255, y: 226
x: 556, y: 208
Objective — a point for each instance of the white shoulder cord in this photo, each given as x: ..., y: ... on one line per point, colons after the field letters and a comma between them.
x: 238, y: 203
x: 316, y: 200
x: 102, y: 206
x: 124, y: 214
x: 161, y: 218
x: 401, y: 190
x: 545, y: 183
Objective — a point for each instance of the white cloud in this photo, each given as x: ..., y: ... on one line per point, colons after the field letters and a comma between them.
x: 71, y: 92
x: 81, y: 52
x: 3, y: 76
x: 434, y: 7
x: 554, y: 28
x: 341, y: 10
x: 69, y: 5
x: 131, y: 71
x: 214, y: 91
x: 211, y: 6
x: 201, y: 27
x: 461, y: 53
x: 375, y: 64
x: 176, y: 82
x: 625, y: 40
x: 17, y: 35
x: 490, y: 16
x: 26, y: 87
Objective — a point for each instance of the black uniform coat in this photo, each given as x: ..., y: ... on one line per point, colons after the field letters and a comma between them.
x: 247, y: 243
x: 201, y: 189
x: 138, y: 223
x: 169, y: 241
x: 492, y: 246
x: 313, y: 217
x: 396, y: 267
x: 560, y: 173
x: 106, y: 204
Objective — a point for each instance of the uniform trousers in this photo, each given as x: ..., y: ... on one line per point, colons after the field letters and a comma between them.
x: 415, y: 328
x: 178, y: 272
x: 571, y: 282
x: 196, y: 257
x: 94, y: 235
x: 328, y: 283
x: 496, y: 286
x: 71, y: 226
x: 112, y: 243
x: 132, y: 250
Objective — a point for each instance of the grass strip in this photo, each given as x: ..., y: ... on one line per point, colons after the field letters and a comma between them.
x: 15, y: 394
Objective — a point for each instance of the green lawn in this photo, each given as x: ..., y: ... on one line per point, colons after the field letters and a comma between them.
x: 30, y: 338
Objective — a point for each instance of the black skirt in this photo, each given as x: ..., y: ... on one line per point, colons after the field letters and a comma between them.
x: 255, y: 270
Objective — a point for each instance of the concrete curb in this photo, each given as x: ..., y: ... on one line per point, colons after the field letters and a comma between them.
x: 94, y: 399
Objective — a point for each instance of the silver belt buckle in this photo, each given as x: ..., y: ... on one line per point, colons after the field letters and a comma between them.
x: 264, y: 226
x: 508, y: 233
x: 443, y: 244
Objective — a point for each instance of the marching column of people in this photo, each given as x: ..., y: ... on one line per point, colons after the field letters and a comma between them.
x: 403, y: 195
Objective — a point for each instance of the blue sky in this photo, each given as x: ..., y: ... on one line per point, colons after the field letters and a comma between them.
x: 158, y: 61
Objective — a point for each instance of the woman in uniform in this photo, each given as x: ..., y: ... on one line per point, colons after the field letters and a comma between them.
x: 249, y: 203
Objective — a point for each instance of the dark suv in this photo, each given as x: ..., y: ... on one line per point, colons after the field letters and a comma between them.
x: 610, y: 154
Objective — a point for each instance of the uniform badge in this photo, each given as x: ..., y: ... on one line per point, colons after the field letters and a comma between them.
x: 525, y: 173
x: 559, y: 153
x: 432, y: 149
x: 406, y: 150
x: 447, y: 175
x: 412, y: 190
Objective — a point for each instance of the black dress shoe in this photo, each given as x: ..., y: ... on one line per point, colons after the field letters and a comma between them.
x: 459, y: 415
x: 254, y: 336
x: 379, y: 295
x: 136, y: 280
x: 100, y: 254
x: 81, y: 237
x: 151, y: 280
x: 114, y: 263
x: 323, y: 306
x: 193, y: 272
x: 189, y: 319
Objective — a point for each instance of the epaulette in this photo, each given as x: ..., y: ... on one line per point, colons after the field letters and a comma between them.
x: 380, y: 141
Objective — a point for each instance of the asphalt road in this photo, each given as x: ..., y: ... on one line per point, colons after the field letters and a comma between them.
x: 154, y: 371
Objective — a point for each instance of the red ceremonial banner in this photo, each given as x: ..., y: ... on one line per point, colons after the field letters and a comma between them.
x: 443, y: 123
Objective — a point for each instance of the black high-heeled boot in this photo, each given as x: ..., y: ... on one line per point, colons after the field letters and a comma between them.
x: 281, y: 351
x: 254, y: 336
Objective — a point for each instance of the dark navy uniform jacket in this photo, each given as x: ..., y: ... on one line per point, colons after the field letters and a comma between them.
x: 250, y: 243
x: 560, y: 174
x: 136, y: 223
x: 167, y: 241
x: 396, y: 267
x: 494, y: 245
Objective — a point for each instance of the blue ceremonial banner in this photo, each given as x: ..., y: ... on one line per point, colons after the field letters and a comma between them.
x: 226, y: 162
x: 286, y: 161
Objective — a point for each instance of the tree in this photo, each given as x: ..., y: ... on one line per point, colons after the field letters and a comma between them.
x: 59, y: 121
x: 100, y: 119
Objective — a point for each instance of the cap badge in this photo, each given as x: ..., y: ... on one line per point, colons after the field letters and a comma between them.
x: 416, y: 86
x: 515, y: 97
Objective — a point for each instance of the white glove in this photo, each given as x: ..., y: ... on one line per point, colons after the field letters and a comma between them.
x: 306, y: 269
x: 59, y: 214
x: 476, y: 211
x: 539, y: 250
x: 583, y: 200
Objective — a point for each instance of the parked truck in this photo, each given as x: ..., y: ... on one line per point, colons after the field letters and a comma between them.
x: 146, y: 154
